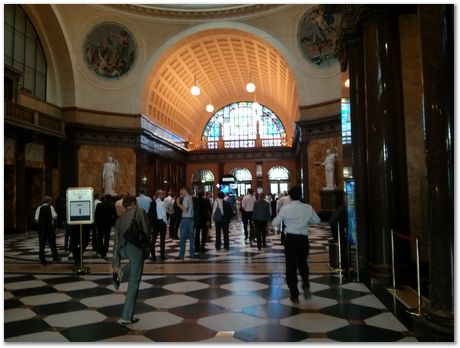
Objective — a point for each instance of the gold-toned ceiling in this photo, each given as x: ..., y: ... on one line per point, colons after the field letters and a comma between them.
x: 221, y: 60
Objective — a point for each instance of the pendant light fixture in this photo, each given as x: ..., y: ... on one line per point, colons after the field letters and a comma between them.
x: 195, y: 90
x: 209, y: 108
x: 250, y: 87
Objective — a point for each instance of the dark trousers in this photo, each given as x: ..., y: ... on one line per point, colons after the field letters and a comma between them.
x: 75, y: 241
x: 261, y: 233
x: 67, y: 235
x: 296, y: 249
x: 247, y: 219
x: 94, y: 238
x: 222, y: 227
x: 201, y: 236
x: 173, y: 226
x: 50, y: 236
x: 159, y: 229
x: 103, y: 239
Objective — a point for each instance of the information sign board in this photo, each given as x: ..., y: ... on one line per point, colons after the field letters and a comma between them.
x: 80, y: 202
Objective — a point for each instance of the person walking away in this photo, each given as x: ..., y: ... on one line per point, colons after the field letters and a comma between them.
x: 296, y: 216
x: 158, y: 220
x: 143, y: 201
x: 222, y: 214
x: 104, y: 216
x: 177, y: 217
x: 119, y: 205
x: 186, y: 223
x: 247, y: 206
x: 46, y: 217
x: 169, y: 206
x: 125, y: 250
x: 62, y: 216
x: 204, y: 210
x: 94, y: 232
x: 260, y: 217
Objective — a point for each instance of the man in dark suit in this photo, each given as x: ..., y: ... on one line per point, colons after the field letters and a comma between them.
x: 203, y: 211
x: 104, y: 216
x: 46, y: 217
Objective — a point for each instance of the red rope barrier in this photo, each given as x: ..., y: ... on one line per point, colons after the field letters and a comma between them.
x: 403, y: 236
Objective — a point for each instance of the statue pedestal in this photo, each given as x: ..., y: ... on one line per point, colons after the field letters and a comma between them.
x: 330, y: 201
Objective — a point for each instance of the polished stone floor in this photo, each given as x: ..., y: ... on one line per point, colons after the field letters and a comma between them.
x: 235, y: 296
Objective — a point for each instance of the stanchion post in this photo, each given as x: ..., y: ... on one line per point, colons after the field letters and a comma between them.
x: 339, y: 246
x: 82, y: 270
x: 418, y: 311
x: 393, y: 272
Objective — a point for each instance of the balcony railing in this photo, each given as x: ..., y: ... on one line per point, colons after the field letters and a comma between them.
x: 21, y: 115
x: 234, y: 144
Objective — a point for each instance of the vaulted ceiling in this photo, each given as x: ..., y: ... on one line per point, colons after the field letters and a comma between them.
x: 221, y: 60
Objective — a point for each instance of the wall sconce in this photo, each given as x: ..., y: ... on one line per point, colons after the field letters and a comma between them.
x: 144, y: 179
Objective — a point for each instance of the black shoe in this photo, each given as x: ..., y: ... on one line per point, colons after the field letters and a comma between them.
x: 43, y: 262
x: 295, y: 299
x: 163, y: 258
x: 153, y: 258
x: 115, y: 280
x: 56, y: 259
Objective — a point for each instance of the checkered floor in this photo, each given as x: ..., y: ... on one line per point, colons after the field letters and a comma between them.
x: 231, y: 307
x: 24, y: 248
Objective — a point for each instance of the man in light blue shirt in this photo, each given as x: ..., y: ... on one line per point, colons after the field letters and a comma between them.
x: 296, y: 216
x: 187, y: 223
x: 143, y: 201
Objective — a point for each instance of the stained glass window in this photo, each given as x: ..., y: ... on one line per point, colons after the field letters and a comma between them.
x: 346, y: 121
x: 203, y: 175
x: 239, y: 123
x: 278, y: 173
x: 242, y: 174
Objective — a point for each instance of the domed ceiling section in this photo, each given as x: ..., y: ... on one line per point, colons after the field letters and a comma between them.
x: 221, y: 61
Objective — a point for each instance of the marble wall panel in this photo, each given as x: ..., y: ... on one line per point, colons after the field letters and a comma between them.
x: 91, y: 161
x: 316, y: 174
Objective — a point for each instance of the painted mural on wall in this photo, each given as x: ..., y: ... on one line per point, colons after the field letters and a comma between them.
x: 318, y: 36
x: 110, y: 50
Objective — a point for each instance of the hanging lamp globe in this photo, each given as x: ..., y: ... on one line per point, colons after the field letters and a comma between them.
x: 209, y: 108
x: 250, y: 87
x: 195, y: 90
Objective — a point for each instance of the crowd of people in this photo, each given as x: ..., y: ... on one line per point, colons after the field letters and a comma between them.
x: 192, y: 216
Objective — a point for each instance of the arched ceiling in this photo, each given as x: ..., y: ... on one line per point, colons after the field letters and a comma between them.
x: 221, y: 60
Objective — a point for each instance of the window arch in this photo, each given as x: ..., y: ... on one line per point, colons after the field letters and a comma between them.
x: 23, y: 51
x: 203, y: 175
x: 242, y: 174
x: 278, y: 173
x: 240, y: 123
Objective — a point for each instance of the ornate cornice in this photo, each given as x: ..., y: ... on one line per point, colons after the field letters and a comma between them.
x: 322, y: 128
x: 282, y: 153
x: 195, y: 13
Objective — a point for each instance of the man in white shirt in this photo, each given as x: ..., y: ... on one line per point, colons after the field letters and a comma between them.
x: 159, y: 226
x: 46, y: 216
x: 296, y: 216
x: 247, y: 205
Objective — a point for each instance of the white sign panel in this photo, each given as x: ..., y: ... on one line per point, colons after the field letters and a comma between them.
x: 80, y: 201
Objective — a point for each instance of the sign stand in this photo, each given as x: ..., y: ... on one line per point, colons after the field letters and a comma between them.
x: 80, y: 211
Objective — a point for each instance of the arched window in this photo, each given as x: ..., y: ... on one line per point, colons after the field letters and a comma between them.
x: 23, y: 51
x: 242, y: 174
x: 203, y: 175
x: 278, y: 173
x: 240, y: 122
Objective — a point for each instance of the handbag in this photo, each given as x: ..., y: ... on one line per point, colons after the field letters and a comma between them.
x: 136, y: 235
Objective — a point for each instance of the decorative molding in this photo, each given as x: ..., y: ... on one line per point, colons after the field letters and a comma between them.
x: 314, y: 106
x: 194, y: 14
x: 240, y: 154
x: 321, y: 128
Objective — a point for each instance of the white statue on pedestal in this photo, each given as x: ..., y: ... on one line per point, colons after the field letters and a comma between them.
x: 109, y: 177
x: 329, y: 168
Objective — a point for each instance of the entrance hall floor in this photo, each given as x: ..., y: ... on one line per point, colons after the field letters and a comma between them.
x: 236, y: 296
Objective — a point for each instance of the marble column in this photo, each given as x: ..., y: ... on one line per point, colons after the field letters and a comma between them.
x: 386, y: 159
x: 354, y: 43
x: 21, y: 190
x: 304, y: 165
x: 436, y: 30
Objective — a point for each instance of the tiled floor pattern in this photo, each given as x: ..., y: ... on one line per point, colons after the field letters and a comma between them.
x: 24, y: 249
x: 184, y: 308
x: 198, y: 306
